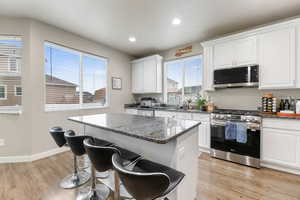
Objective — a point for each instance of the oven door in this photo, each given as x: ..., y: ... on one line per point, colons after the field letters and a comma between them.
x: 250, y: 148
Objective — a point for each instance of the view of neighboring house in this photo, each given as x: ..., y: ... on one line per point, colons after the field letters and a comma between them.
x: 10, y: 77
x: 175, y: 93
x: 63, y: 92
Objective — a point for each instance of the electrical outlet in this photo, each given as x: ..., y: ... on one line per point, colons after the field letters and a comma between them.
x: 2, y: 142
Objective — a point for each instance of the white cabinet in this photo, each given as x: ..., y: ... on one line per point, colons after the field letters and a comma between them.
x: 223, y: 55
x: 245, y: 51
x: 298, y: 57
x: 204, y: 131
x: 281, y: 144
x: 281, y: 147
x: 277, y: 57
x: 235, y: 53
x: 147, y: 75
x: 204, y: 136
x: 208, y: 76
x: 137, y: 78
x: 131, y: 111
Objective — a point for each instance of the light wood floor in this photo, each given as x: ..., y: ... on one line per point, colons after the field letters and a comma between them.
x: 218, y: 180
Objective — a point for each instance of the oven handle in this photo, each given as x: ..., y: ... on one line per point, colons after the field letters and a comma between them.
x: 250, y: 126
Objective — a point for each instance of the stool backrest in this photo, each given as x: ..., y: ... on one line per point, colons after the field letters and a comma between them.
x: 75, y: 142
x: 57, y: 134
x: 100, y: 156
x: 142, y: 186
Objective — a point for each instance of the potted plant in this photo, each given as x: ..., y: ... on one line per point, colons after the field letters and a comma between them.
x: 200, y: 103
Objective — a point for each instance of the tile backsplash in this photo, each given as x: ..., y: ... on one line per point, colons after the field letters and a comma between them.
x: 238, y: 98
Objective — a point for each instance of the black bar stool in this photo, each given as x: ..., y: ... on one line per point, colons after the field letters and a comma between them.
x: 147, y: 180
x: 77, y: 178
x: 58, y: 135
x: 100, y: 157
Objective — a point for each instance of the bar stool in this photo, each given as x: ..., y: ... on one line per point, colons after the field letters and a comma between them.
x: 100, y: 157
x: 77, y: 178
x: 147, y: 180
x: 58, y: 135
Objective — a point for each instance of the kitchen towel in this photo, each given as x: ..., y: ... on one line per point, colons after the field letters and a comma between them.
x: 241, y: 133
x: 230, y: 131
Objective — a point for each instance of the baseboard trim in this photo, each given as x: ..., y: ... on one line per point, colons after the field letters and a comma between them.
x: 282, y: 168
x: 34, y: 157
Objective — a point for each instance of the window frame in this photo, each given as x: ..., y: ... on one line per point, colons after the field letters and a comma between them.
x: 5, y: 92
x: 165, y: 75
x: 80, y: 105
x: 16, y: 93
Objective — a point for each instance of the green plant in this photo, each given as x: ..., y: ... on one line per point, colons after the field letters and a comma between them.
x: 200, y: 102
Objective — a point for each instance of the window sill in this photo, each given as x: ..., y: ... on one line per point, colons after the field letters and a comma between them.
x: 11, y: 110
x: 73, y: 108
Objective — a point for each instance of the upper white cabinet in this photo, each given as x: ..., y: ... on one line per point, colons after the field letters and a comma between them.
x: 147, y: 75
x: 235, y: 53
x: 208, y: 69
x: 245, y: 51
x: 275, y: 48
x: 277, y: 57
x: 223, y: 55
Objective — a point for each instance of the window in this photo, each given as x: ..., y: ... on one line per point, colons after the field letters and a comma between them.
x: 3, y: 92
x: 10, y: 73
x: 183, y: 80
x: 18, y: 90
x: 74, y: 79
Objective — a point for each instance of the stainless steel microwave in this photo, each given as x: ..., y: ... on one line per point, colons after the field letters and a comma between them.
x: 245, y: 76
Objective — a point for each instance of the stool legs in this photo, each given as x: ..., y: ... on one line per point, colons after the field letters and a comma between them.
x: 75, y: 179
x: 95, y: 192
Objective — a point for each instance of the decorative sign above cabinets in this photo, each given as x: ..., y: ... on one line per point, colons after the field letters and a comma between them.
x: 183, y: 51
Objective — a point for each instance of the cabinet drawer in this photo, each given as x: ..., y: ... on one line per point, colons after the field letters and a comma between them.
x: 201, y: 117
x: 181, y: 115
x: 285, y: 124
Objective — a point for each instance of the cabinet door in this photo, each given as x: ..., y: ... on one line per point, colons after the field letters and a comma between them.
x: 208, y: 75
x: 150, y: 72
x: 131, y: 111
x: 204, y: 135
x: 280, y: 147
x: 277, y: 59
x: 245, y: 51
x: 137, y: 77
x: 223, y: 55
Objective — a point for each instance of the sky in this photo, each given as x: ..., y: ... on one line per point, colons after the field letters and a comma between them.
x: 193, y: 72
x: 66, y: 66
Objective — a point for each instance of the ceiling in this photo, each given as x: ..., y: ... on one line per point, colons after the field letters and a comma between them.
x: 111, y: 22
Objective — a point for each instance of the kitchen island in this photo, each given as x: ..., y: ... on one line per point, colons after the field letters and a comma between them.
x: 168, y: 141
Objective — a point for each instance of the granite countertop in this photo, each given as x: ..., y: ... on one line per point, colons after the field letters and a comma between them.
x: 154, y: 129
x: 170, y: 109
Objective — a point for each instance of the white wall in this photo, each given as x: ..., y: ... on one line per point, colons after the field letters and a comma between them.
x: 27, y: 133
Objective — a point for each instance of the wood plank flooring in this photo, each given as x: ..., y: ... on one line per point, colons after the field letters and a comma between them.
x: 218, y: 180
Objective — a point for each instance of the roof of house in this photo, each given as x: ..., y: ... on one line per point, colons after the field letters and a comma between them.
x: 52, y: 80
x: 172, y: 81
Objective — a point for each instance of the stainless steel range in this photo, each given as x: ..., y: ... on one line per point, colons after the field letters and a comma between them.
x: 235, y: 144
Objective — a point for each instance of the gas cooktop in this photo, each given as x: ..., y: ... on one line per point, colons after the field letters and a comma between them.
x: 236, y: 112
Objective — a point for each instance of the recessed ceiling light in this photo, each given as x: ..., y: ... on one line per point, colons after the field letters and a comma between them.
x: 176, y: 21
x: 132, y: 39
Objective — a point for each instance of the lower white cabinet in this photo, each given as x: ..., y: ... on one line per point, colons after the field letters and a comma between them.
x: 281, y: 144
x: 132, y: 111
x: 204, y: 136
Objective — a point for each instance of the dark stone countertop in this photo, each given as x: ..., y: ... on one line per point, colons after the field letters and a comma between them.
x: 169, y: 109
x: 154, y: 129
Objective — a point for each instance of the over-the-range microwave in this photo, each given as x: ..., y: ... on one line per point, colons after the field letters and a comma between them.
x: 244, y: 76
